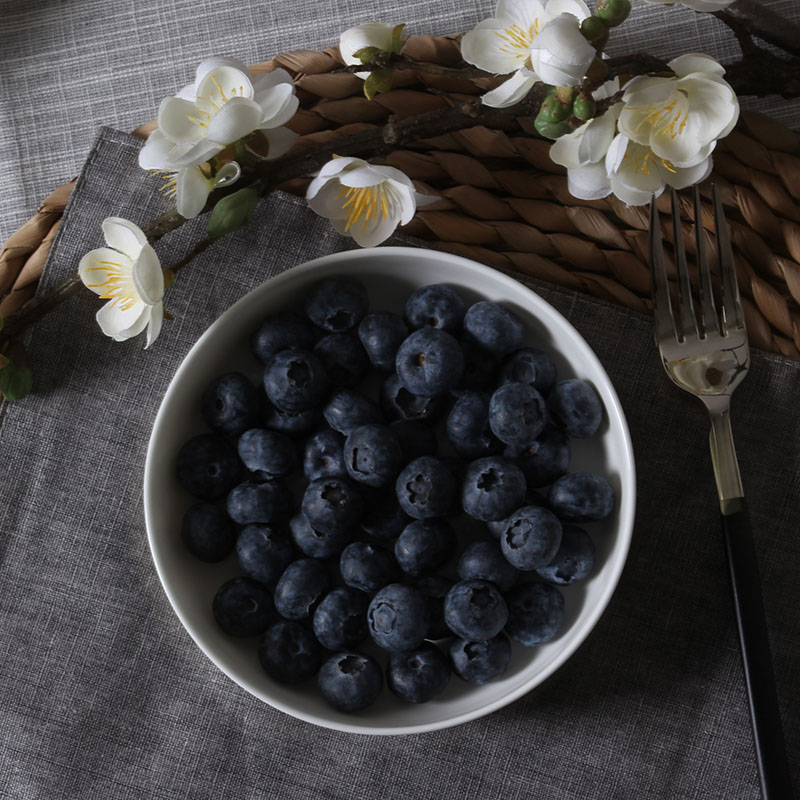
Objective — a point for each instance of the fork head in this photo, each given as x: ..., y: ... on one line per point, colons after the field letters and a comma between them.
x: 704, y: 353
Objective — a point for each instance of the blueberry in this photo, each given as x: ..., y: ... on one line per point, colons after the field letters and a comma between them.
x: 468, y: 426
x: 372, y: 455
x: 301, y: 587
x: 343, y: 357
x: 295, y: 380
x: 207, y: 532
x: 288, y: 652
x: 531, y: 537
x: 429, y: 362
x: 581, y: 496
x: 426, y: 488
x: 493, y: 487
x: 480, y: 662
x: 419, y: 675
x: 576, y: 407
x: 435, y: 305
x: 574, y: 560
x: 367, y: 567
x: 231, y: 404
x: 258, y: 502
x: 263, y: 553
x: 493, y: 327
x: 293, y: 424
x: 337, y: 304
x: 324, y: 456
x: 279, y: 332
x: 531, y: 366
x: 350, y: 681
x: 269, y: 454
x: 316, y: 544
x: 400, y: 404
x: 545, y: 459
x: 415, y: 437
x: 383, y: 518
x: 340, y: 621
x: 435, y: 589
x: 424, y: 546
x: 242, y: 607
x: 348, y: 409
x: 381, y: 334
x: 480, y: 367
x: 398, y: 617
x: 535, y: 613
x: 332, y: 505
x: 483, y: 560
x: 517, y: 414
x: 475, y: 610
x: 207, y: 466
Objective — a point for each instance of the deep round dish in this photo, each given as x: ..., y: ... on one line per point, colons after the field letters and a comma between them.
x: 390, y: 275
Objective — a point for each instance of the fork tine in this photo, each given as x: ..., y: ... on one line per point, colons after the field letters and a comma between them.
x: 732, y: 316
x: 688, y: 321
x: 708, y: 309
x: 662, y: 308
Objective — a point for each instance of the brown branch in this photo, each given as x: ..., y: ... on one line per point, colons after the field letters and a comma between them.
x: 759, y: 20
x: 401, y: 62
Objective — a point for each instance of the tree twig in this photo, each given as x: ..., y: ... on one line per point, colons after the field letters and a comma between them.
x: 759, y: 20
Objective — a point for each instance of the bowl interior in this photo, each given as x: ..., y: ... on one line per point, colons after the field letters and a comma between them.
x: 390, y: 275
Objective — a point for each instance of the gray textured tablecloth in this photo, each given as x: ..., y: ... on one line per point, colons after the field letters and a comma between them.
x: 104, y: 694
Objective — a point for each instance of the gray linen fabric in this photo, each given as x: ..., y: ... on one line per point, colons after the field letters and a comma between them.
x: 68, y: 68
x: 105, y: 695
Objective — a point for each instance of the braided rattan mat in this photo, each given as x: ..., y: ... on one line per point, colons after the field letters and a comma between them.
x: 506, y: 204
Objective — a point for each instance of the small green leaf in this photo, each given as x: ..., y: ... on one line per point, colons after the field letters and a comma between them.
x: 379, y: 80
x: 398, y: 40
x: 367, y: 54
x: 232, y: 212
x: 15, y: 382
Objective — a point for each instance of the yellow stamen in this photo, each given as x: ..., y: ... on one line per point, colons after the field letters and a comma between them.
x: 219, y: 89
x: 517, y: 38
x: 666, y: 120
x: 364, y: 204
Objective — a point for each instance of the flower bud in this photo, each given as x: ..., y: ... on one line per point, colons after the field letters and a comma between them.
x: 550, y: 130
x: 613, y: 12
x: 584, y: 107
x: 594, y: 29
x: 553, y: 110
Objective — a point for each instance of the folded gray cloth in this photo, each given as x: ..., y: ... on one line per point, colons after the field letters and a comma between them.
x: 105, y: 695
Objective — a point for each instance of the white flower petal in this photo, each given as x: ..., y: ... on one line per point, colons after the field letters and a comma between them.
x: 489, y: 48
x: 123, y: 235
x: 235, y: 119
x: 278, y: 105
x: 632, y: 196
x: 565, y: 149
x: 608, y: 89
x: 148, y: 277
x: 695, y: 62
x: 266, y: 80
x: 616, y: 152
x: 372, y: 175
x: 509, y: 92
x: 121, y: 324
x: 281, y: 140
x: 154, y: 324
x: 405, y: 202
x: 712, y: 103
x: 562, y: 38
x: 589, y: 182
x: 101, y: 269
x: 218, y: 62
x: 577, y: 8
x: 598, y: 136
x: 525, y: 13
x: 645, y: 90
x: 188, y: 92
x: 190, y: 155
x: 371, y: 34
x: 374, y: 232
x: 222, y: 85
x: 680, y: 177
x: 228, y: 174
x: 179, y: 120
x: 192, y: 192
x: 325, y: 196
x: 156, y: 151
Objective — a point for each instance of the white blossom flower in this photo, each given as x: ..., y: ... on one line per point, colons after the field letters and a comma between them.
x: 128, y: 274
x: 535, y: 41
x: 680, y: 118
x: 224, y: 104
x: 698, y: 5
x: 371, y: 34
x: 364, y: 200
x: 191, y: 186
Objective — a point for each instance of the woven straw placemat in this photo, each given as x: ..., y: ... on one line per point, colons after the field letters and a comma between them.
x: 503, y: 202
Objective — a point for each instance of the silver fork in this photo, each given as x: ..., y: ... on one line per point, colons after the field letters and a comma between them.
x: 707, y: 355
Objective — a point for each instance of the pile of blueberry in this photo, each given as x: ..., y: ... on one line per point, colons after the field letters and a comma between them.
x: 349, y: 508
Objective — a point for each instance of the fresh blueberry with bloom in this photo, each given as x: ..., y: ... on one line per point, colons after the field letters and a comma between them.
x: 128, y: 274
x: 340, y: 621
x: 337, y: 304
x: 424, y: 546
x: 288, y: 652
x: 207, y: 466
x: 535, y: 613
x: 242, y: 607
x: 475, y: 610
x: 492, y: 488
x: 343, y: 357
x: 367, y: 567
x: 581, y: 496
x: 295, y: 380
x: 207, y: 532
x: 301, y: 587
x: 350, y: 681
x: 483, y: 560
x: 258, y: 502
x: 230, y: 404
x: 531, y: 537
x: 576, y: 407
x: 398, y: 618
x: 574, y: 560
x: 268, y: 454
x: 348, y: 409
x: 362, y: 200
x: 429, y: 362
x: 383, y: 518
x: 436, y: 305
x: 468, y: 428
x: 535, y: 41
x: 314, y: 543
x: 426, y: 488
x: 480, y: 662
x: 545, y: 459
x: 297, y: 424
x: 381, y: 333
x: 419, y: 675
x: 480, y: 367
x: 415, y: 437
x: 324, y: 456
x: 263, y: 553
x: 281, y: 331
x: 493, y: 327
x: 530, y: 365
x: 517, y: 414
x: 332, y: 505
x: 435, y: 589
x: 400, y: 404
x: 372, y: 455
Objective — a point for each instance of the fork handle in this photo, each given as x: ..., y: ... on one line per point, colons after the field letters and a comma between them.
x: 773, y: 764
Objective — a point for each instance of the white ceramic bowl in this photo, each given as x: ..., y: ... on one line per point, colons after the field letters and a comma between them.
x: 390, y: 275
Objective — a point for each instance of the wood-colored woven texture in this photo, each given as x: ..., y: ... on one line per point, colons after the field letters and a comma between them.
x: 503, y: 202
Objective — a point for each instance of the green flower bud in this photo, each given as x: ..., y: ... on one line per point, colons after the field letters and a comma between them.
x: 553, y: 110
x: 613, y: 12
x: 594, y: 28
x: 584, y: 107
x: 550, y: 130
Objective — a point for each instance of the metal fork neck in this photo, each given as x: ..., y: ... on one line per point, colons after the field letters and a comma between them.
x: 723, y: 457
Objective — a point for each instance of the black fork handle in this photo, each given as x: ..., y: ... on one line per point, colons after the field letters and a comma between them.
x: 773, y: 764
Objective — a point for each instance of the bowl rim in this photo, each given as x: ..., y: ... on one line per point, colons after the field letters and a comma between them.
x: 627, y: 505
